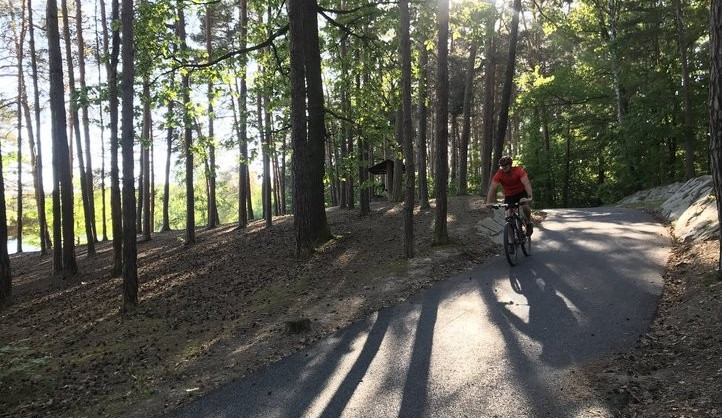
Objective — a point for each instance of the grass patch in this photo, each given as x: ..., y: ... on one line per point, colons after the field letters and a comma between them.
x: 22, y: 372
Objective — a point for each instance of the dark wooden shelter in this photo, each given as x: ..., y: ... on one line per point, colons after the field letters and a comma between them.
x: 386, y: 168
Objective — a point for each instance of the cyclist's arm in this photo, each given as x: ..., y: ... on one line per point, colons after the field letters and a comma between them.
x: 527, y: 186
x: 491, y: 194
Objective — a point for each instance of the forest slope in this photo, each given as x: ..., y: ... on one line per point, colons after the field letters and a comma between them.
x: 209, y: 312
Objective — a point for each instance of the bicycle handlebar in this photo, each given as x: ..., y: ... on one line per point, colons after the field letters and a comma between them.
x: 507, y: 206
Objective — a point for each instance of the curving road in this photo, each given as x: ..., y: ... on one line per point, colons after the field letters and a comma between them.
x: 495, y: 341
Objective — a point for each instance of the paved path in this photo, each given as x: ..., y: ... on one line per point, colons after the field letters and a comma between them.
x: 494, y: 341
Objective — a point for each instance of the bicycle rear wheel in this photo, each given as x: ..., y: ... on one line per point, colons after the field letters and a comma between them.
x: 510, y: 250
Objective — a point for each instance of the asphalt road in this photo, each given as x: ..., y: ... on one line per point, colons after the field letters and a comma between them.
x: 497, y: 341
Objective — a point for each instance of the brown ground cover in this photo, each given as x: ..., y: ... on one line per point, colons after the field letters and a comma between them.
x: 229, y: 304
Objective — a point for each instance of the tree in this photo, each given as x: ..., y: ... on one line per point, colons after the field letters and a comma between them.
x: 307, y: 138
x: 85, y: 191
x: 212, y: 208
x: 35, y: 143
x: 508, y: 83
x: 170, y: 136
x: 112, y: 51
x: 466, y: 122
x: 188, y: 134
x: 241, y: 120
x: 688, y: 124
x: 488, y: 108
x: 5, y: 273
x: 130, y: 252
x: 422, y: 116
x: 407, y: 130
x: 19, y: 35
x: 146, y: 194
x: 715, y: 109
x: 441, y: 235
x: 82, y: 101
x: 63, y: 193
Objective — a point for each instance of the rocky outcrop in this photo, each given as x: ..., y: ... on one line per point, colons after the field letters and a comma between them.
x: 690, y: 207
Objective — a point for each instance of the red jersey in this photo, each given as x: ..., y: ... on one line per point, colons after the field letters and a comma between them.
x: 511, y: 181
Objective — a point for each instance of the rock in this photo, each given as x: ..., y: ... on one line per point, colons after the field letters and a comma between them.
x: 689, y: 206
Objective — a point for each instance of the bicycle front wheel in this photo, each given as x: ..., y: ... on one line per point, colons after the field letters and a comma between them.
x: 526, y: 245
x: 524, y: 239
x: 510, y: 249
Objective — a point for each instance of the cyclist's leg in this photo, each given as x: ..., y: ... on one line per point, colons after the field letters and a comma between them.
x: 526, y: 208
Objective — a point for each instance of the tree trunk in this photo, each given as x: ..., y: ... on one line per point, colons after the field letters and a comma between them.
x: 715, y: 109
x: 212, y: 209
x: 99, y: 56
x: 549, y: 198
x: 688, y: 127
x: 508, y: 83
x: 365, y: 188
x: 112, y: 70
x: 61, y: 155
x: 85, y: 118
x: 265, y: 160
x: 36, y: 149
x: 188, y: 138
x: 282, y: 177
x: 130, y: 253
x: 466, y: 123
x: 454, y: 146
x: 441, y: 235
x: 139, y: 208
x: 5, y: 273
x: 20, y: 40
x: 407, y: 130
x: 267, y: 150
x: 84, y: 187
x: 169, y: 152
x: 276, y: 186
x: 301, y: 160
x: 145, y: 150
x: 396, y: 193
x: 309, y: 212
x: 488, y: 111
x: 567, y: 169
x: 421, y: 140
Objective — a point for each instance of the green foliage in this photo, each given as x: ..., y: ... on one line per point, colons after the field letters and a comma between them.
x: 602, y: 117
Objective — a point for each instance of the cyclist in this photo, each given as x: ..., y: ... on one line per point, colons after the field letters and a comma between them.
x: 516, y: 187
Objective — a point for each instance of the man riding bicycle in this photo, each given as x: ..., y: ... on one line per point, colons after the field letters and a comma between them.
x: 516, y: 187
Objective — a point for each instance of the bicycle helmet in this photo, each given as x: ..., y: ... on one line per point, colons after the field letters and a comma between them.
x: 505, y: 160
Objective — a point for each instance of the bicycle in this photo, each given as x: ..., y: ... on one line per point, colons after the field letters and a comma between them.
x: 515, y: 232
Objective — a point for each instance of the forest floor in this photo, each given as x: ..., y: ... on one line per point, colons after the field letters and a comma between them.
x: 230, y: 304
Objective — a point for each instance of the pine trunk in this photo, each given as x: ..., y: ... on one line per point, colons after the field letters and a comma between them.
x: 441, y: 235
x: 61, y: 155
x: 466, y: 123
x: 407, y: 130
x: 715, y: 108
x: 130, y: 253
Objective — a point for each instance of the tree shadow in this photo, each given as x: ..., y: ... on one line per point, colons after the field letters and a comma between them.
x: 550, y: 321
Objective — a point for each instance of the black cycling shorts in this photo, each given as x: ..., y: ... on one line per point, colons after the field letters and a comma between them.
x: 514, y: 199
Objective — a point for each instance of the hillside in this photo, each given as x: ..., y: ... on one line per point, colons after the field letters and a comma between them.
x: 237, y: 300
x: 209, y: 312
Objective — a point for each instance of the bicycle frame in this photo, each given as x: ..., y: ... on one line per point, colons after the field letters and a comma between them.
x: 515, y: 236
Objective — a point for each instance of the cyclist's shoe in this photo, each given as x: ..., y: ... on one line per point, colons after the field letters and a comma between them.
x: 529, y: 229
